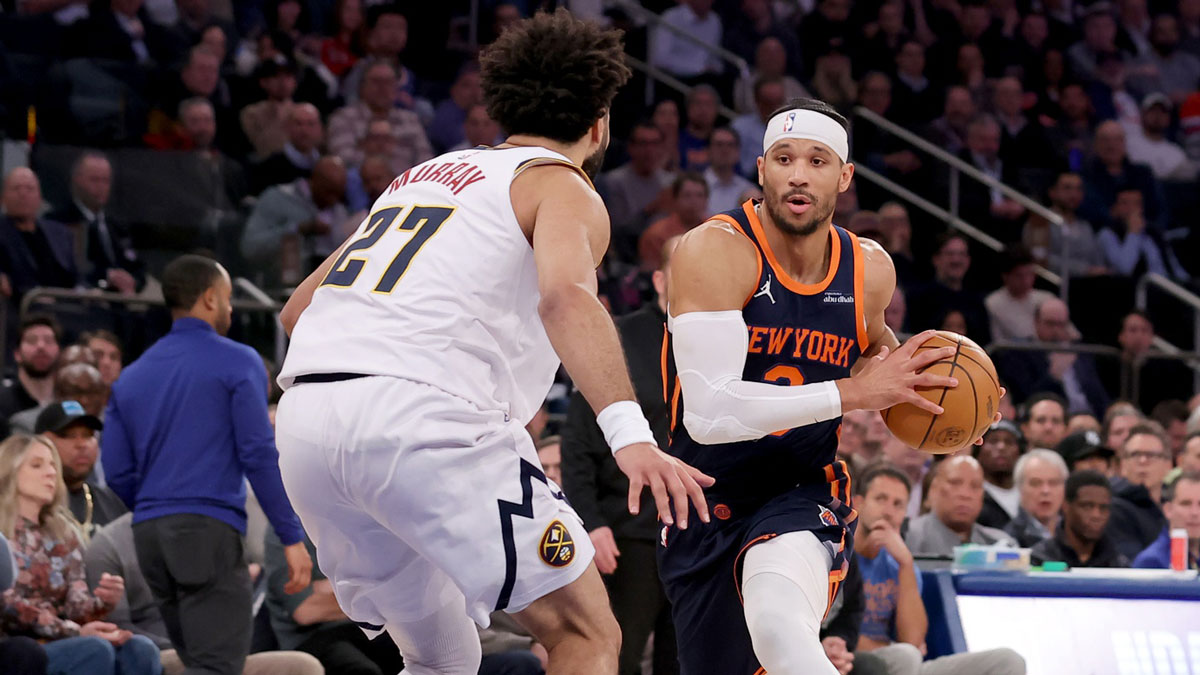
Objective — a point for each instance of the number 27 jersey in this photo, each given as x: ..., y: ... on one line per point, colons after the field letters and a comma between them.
x: 438, y: 285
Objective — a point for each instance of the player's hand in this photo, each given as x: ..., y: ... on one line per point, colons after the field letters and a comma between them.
x: 669, y: 479
x: 839, y: 656
x: 110, y: 590
x: 606, y: 549
x: 299, y: 568
x: 995, y: 418
x: 890, y: 378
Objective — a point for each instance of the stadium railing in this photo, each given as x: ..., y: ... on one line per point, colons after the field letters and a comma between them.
x: 1182, y: 295
x: 956, y: 166
x: 143, y: 319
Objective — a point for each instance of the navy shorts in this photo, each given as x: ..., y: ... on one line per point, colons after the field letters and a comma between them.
x: 701, y: 566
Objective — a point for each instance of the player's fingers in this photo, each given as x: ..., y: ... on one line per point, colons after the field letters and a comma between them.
x: 1003, y: 391
x: 930, y: 356
x: 924, y: 403
x: 910, y: 346
x: 699, y: 476
x: 695, y: 492
x: 679, y: 499
x: 932, y: 380
x: 883, y: 353
x: 635, y: 494
x: 661, y: 499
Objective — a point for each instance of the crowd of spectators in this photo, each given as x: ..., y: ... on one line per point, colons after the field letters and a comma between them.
x: 286, y: 119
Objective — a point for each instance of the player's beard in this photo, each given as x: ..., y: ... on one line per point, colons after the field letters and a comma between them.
x: 803, y: 225
x: 591, y: 165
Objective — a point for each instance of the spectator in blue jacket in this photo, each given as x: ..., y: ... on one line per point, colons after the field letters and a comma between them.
x: 187, y: 424
x: 1181, y: 506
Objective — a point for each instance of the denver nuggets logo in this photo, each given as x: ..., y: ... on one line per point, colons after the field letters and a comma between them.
x: 557, y: 548
x: 828, y: 518
x: 789, y: 122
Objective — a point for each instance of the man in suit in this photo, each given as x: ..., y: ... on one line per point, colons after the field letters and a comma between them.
x: 1070, y: 375
x: 305, y: 134
x: 33, y: 251
x: 955, y: 501
x: 597, y: 488
x: 978, y: 204
x: 103, y: 247
x: 118, y: 31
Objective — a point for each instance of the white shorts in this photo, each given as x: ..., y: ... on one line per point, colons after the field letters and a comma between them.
x: 416, y: 500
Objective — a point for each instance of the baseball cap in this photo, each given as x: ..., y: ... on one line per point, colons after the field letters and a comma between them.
x: 1157, y: 98
x: 275, y: 66
x: 1081, y: 445
x: 62, y: 414
x: 1005, y: 425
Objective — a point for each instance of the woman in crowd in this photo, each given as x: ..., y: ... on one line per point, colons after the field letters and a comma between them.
x: 50, y: 600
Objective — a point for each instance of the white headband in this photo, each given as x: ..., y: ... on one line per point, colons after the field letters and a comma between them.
x: 809, y: 125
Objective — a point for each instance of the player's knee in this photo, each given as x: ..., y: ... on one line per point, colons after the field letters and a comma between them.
x: 460, y: 658
x: 610, y: 635
x: 1004, y: 661
x: 603, y: 633
x: 776, y: 630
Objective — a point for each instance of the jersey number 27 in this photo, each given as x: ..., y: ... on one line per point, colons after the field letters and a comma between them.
x: 422, y: 221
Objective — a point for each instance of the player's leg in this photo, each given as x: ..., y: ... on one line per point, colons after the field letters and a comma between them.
x: 576, y: 626
x: 332, y: 454
x: 443, y: 643
x: 785, y: 588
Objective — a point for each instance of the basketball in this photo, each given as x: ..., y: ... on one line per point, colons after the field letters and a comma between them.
x: 968, y: 408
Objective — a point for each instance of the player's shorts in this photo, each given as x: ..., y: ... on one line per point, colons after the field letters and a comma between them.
x: 417, y: 499
x: 701, y: 567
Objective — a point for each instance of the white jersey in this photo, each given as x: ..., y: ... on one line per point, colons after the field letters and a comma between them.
x: 439, y: 286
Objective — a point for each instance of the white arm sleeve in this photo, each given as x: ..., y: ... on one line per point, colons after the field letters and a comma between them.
x: 721, y: 407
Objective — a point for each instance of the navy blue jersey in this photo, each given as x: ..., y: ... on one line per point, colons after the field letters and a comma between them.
x: 798, y: 333
x: 785, y: 482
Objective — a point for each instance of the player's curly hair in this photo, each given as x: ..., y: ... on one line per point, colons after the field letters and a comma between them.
x: 552, y: 76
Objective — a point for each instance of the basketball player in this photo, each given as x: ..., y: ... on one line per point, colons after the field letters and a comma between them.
x: 774, y: 294
x: 424, y: 345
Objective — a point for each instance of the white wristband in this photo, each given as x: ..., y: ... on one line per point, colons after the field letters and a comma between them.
x: 623, y: 425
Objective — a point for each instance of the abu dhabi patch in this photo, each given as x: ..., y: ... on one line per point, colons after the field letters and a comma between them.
x: 557, y: 548
x: 828, y: 518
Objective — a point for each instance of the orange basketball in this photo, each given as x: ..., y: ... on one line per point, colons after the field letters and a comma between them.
x: 969, y: 407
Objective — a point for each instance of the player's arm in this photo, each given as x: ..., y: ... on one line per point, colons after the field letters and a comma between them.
x: 570, y: 231
x: 713, y: 271
x: 302, y: 296
x: 879, y: 284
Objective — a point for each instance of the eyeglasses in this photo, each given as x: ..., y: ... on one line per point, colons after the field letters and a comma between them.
x: 1145, y: 455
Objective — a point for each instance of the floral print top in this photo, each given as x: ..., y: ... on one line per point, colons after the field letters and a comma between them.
x: 50, y: 599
